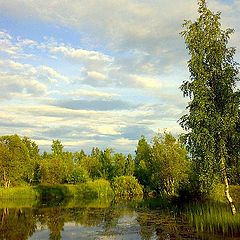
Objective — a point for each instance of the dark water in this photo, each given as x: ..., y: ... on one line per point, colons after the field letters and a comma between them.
x: 109, y: 220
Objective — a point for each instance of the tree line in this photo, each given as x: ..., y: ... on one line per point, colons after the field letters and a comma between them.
x: 162, y: 166
x: 158, y: 167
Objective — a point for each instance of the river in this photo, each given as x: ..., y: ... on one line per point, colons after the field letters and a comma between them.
x: 108, y: 219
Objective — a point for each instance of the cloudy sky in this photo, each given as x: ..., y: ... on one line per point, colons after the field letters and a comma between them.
x: 96, y: 72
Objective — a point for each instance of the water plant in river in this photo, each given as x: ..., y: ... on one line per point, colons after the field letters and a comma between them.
x: 213, y: 217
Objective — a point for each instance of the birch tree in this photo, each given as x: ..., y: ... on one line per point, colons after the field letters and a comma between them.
x: 214, y: 101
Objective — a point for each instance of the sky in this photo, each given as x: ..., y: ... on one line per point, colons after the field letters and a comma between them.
x: 96, y: 72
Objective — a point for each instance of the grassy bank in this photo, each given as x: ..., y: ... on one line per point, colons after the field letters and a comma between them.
x: 25, y: 192
x: 218, y: 194
x: 90, y: 190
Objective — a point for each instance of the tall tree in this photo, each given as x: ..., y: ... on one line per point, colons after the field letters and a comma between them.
x: 33, y: 150
x: 15, y: 162
x: 169, y: 164
x: 143, y: 162
x: 57, y: 147
x: 214, y: 105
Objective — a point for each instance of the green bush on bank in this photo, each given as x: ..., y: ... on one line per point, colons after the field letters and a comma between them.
x: 127, y: 187
x: 94, y: 189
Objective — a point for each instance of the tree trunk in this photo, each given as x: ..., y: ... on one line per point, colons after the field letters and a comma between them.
x: 6, y: 181
x: 227, y: 193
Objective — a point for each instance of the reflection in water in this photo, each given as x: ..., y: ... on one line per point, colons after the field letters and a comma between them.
x: 105, y: 220
x: 17, y: 223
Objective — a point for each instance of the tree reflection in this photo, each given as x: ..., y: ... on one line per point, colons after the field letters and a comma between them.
x: 17, y: 224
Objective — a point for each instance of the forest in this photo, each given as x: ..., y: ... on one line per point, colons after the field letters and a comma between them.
x: 162, y: 167
x: 157, y: 168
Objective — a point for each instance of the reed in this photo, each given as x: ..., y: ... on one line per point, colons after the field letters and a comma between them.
x: 214, y: 217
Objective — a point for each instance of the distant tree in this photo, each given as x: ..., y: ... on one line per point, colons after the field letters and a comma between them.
x: 15, y: 162
x: 57, y: 147
x: 214, y: 106
x: 89, y: 164
x: 106, y: 164
x: 77, y: 175
x: 57, y: 167
x: 96, y: 152
x: 78, y: 156
x: 53, y: 170
x: 34, y: 155
x: 119, y: 164
x: 143, y: 162
x: 169, y: 165
x: 129, y: 166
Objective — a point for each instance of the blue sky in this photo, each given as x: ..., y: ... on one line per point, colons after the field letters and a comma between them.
x: 96, y: 73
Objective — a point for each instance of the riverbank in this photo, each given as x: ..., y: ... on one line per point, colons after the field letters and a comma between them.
x: 92, y: 189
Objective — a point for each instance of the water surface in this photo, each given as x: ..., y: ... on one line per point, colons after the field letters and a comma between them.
x: 110, y: 220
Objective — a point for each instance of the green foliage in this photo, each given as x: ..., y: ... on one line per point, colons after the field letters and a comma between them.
x: 127, y: 187
x: 33, y: 150
x: 57, y: 147
x: 58, y: 167
x: 169, y: 164
x: 163, y: 166
x: 15, y: 164
x: 94, y: 189
x: 78, y: 175
x: 119, y: 164
x: 213, y: 217
x: 106, y: 164
x: 214, y: 106
x: 55, y: 170
x: 90, y: 164
x: 129, y: 166
x: 18, y: 192
x: 143, y: 162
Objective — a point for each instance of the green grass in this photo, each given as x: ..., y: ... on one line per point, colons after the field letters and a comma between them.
x: 214, y: 217
x: 25, y: 192
x: 91, y: 190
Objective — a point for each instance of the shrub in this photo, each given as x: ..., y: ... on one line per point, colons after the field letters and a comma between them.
x: 78, y: 175
x: 127, y: 187
x: 94, y: 189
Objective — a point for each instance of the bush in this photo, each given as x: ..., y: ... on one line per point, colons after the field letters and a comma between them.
x: 127, y: 187
x: 78, y: 175
x: 94, y: 189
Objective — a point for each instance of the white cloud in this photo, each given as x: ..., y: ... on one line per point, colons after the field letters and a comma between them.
x: 51, y: 75
x: 145, y: 82
x: 96, y: 75
x: 126, y: 49
x: 82, y: 93
x: 11, y: 84
x: 6, y: 45
x: 80, y: 55
x: 106, y: 130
